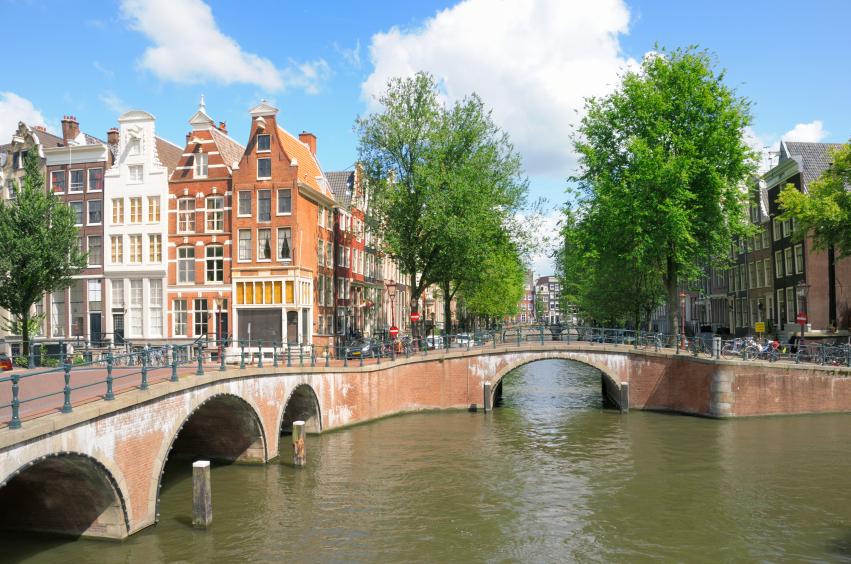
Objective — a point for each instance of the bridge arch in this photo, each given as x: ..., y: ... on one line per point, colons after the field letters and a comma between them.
x: 614, y: 387
x: 66, y: 493
x: 223, y: 427
x: 302, y: 404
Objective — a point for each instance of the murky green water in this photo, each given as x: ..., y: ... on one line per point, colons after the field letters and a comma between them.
x: 549, y: 476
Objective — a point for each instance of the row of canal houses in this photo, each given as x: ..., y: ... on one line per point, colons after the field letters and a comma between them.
x: 214, y: 239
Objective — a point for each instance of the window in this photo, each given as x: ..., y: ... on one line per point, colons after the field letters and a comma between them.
x: 117, y: 249
x: 77, y: 208
x: 264, y: 168
x: 766, y: 266
x: 781, y: 307
x: 244, y: 205
x: 135, y: 246
x: 10, y: 188
x: 743, y: 283
x: 155, y: 307
x: 215, y: 263
x: 153, y: 209
x: 244, y: 244
x: 285, y: 244
x: 155, y: 248
x: 135, y: 210
x: 95, y: 212
x: 320, y: 252
x: 134, y: 146
x: 264, y: 143
x: 135, y: 173
x: 95, y: 179
x: 787, y: 254
x: 180, y: 317
x: 759, y: 280
x: 777, y: 233
x: 77, y: 181
x: 786, y: 227
x: 321, y: 216
x: 321, y: 292
x: 764, y: 237
x: 76, y: 302
x: 200, y: 315
x: 264, y: 205
x: 95, y: 250
x: 258, y: 293
x: 799, y: 259
x: 778, y: 264
x: 264, y: 244
x: 770, y: 308
x: 117, y: 211
x: 285, y: 201
x: 752, y: 279
x: 215, y: 213
x: 200, y: 165
x: 136, y: 308
x: 185, y: 215
x: 186, y: 265
x: 329, y: 254
x: 118, y: 294
x: 57, y: 314
x: 95, y: 295
x: 57, y: 180
x: 790, y: 305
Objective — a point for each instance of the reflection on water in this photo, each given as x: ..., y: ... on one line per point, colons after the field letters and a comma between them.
x: 549, y: 476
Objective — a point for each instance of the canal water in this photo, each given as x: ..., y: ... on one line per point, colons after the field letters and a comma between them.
x: 550, y: 476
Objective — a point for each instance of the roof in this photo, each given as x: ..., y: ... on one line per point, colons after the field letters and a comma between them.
x: 168, y: 153
x: 309, y: 171
x: 230, y: 151
x: 814, y: 159
x: 48, y: 140
x: 341, y: 184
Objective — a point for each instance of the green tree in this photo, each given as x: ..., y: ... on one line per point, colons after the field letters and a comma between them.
x: 825, y: 211
x: 445, y: 183
x: 497, y: 287
x: 666, y: 151
x: 38, y: 247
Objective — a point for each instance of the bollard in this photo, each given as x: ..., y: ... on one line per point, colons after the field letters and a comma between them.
x: 242, y: 355
x: 716, y: 348
x: 109, y: 393
x: 66, y: 405
x: 486, y: 400
x: 174, y: 360
x: 260, y: 352
x: 202, y: 503
x: 299, y: 456
x: 15, y: 423
x: 144, y: 384
x: 200, y: 370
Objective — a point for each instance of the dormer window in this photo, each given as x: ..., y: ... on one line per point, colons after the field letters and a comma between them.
x: 200, y: 165
x: 264, y: 143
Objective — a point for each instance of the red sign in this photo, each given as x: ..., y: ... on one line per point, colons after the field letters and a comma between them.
x: 415, y: 316
x: 393, y: 332
x: 802, y: 317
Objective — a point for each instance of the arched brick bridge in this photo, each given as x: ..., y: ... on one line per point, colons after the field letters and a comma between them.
x: 97, y: 471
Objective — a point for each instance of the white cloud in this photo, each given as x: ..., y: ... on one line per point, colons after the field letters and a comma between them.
x: 113, y: 102
x: 188, y: 47
x: 767, y: 144
x: 351, y: 56
x: 813, y: 131
x: 533, y: 63
x: 14, y: 108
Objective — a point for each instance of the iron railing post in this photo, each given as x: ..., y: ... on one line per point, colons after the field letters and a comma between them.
x: 346, y: 357
x: 301, y: 356
x: 260, y: 353
x: 312, y: 356
x: 542, y: 335
x: 174, y: 361
x: 110, y: 395
x: 241, y: 355
x: 327, y: 357
x: 144, y: 384
x: 15, y: 423
x: 275, y: 355
x: 66, y: 405
x: 222, y: 353
x: 200, y: 370
x: 289, y: 358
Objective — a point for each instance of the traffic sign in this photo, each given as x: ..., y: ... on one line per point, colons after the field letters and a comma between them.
x: 393, y: 332
x: 802, y: 317
x: 760, y: 327
x: 415, y: 316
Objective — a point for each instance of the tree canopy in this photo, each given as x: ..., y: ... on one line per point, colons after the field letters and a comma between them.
x: 662, y: 163
x: 39, y: 251
x: 825, y: 211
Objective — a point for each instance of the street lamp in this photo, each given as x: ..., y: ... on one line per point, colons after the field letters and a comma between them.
x: 392, y: 290
x: 802, y: 289
x: 219, y: 302
x: 683, y: 316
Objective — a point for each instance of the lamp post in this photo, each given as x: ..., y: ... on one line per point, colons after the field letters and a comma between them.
x: 802, y: 289
x: 219, y: 302
x: 392, y: 289
x: 683, y: 316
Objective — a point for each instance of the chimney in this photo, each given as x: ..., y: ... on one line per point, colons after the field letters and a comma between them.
x: 112, y: 136
x: 70, y: 128
x: 308, y: 139
x: 223, y: 127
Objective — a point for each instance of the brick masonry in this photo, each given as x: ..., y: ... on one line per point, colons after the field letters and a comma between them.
x: 128, y: 440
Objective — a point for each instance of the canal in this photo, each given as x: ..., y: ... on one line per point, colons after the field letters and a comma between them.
x: 550, y: 475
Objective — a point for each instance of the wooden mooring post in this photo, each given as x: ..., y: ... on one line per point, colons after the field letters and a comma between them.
x: 299, y: 456
x: 202, y: 503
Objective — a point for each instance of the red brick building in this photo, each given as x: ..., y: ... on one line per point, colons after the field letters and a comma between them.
x: 200, y: 244
x: 282, y: 203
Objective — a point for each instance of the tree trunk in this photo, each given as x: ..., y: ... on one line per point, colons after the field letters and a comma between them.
x: 447, y: 309
x: 671, y: 288
x: 25, y: 332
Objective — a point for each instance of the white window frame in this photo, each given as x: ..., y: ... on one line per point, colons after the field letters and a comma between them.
x: 131, y: 178
x: 119, y: 206
x: 130, y: 210
x: 799, y: 263
x: 239, y: 212
x: 89, y: 211
x: 82, y: 185
x: 200, y: 165
x: 89, y: 179
x: 778, y: 264
x: 278, y: 201
x: 264, y: 191
x: 270, y: 168
x: 181, y: 261
x: 64, y: 179
x: 185, y: 216
x: 260, y: 257
x: 218, y: 262
x: 214, y: 212
x: 131, y: 248
x: 269, y: 137
x: 89, y: 250
x: 787, y: 261
x: 239, y: 240
x: 155, y: 243
x: 176, y: 315
x: 116, y: 257
x: 152, y: 207
x: 82, y: 215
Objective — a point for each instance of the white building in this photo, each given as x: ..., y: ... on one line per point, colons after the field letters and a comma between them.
x: 136, y: 231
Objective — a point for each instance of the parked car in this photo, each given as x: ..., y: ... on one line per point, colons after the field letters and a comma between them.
x: 434, y: 342
x: 463, y: 340
x: 5, y: 362
x: 362, y: 348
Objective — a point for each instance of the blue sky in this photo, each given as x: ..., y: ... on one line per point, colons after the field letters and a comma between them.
x: 320, y: 63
